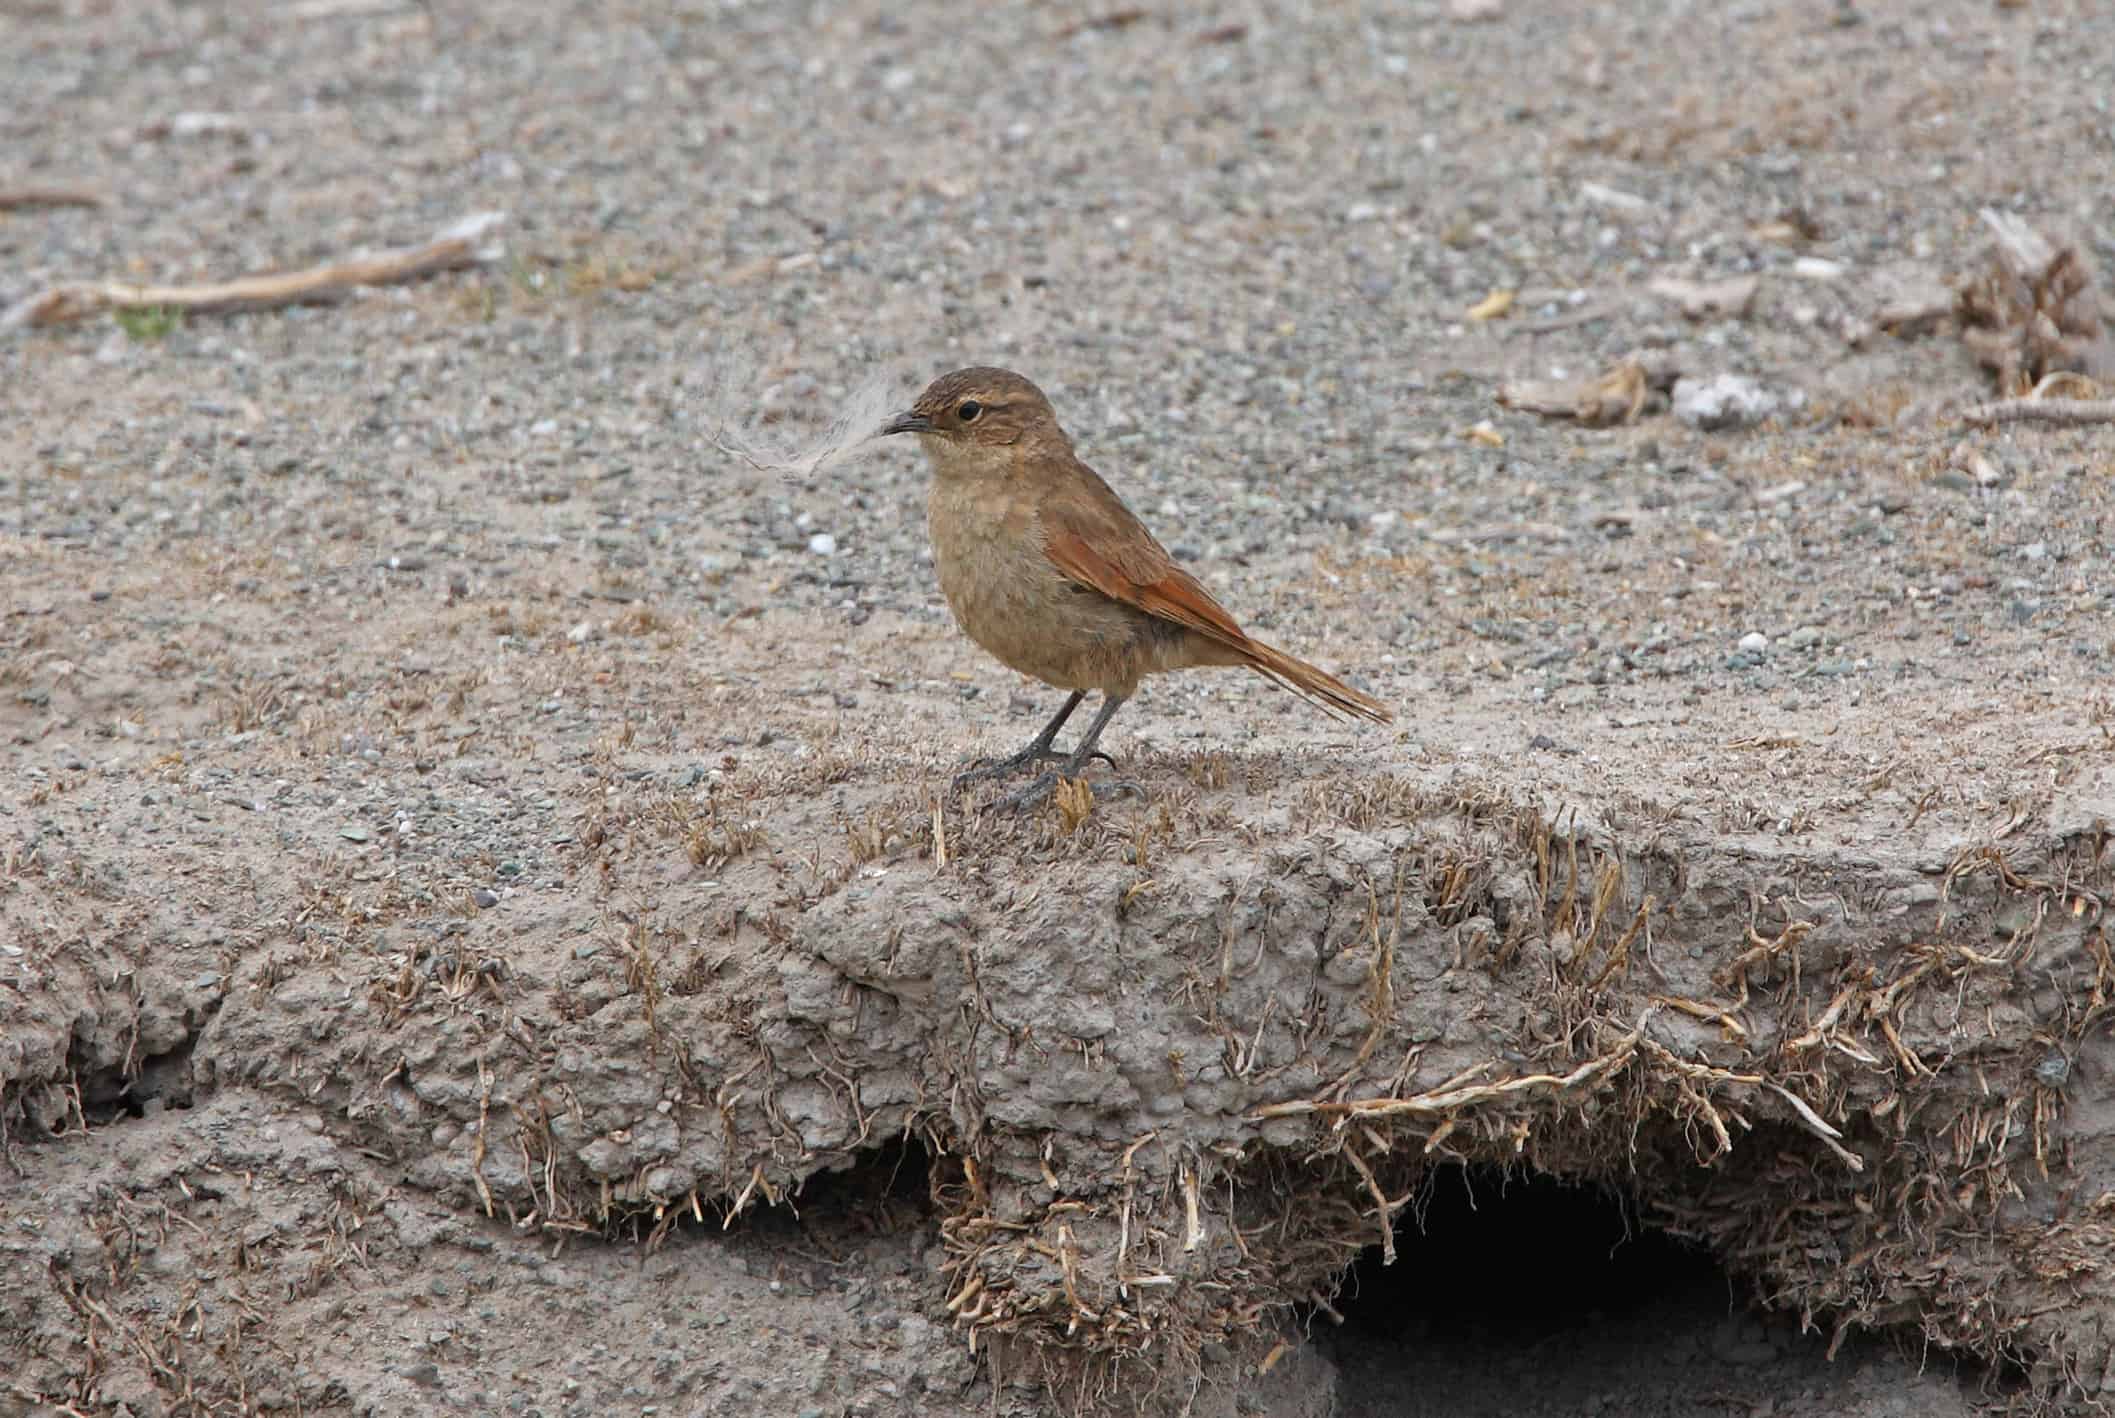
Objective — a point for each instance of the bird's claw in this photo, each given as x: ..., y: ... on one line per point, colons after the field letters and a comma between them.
x: 1006, y: 767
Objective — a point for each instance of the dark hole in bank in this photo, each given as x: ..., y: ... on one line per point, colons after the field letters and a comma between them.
x: 1485, y: 1258
x: 1527, y: 1296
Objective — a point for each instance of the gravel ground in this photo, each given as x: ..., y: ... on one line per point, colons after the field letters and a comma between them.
x: 332, y: 635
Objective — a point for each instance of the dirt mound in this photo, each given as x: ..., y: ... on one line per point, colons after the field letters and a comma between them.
x: 1176, y: 1068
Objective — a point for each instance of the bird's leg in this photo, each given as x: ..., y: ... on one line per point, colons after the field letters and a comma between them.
x: 1084, y: 751
x: 1076, y: 762
x: 1038, y: 749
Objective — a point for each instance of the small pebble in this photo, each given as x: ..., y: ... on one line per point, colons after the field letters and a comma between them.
x: 1726, y: 401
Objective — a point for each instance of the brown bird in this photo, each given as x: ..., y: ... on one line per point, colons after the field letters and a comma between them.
x: 1045, y: 567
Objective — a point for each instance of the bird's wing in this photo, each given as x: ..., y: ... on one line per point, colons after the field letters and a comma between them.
x: 1094, y: 540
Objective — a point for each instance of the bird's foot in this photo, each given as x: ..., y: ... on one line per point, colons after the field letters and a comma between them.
x: 1045, y: 787
x: 1013, y: 763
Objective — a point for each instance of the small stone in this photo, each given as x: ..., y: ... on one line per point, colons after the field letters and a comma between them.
x: 1724, y: 401
x: 2052, y: 1070
x: 1754, y: 643
x: 1804, y: 638
x: 823, y: 544
x: 355, y: 833
x: 581, y: 633
x: 1615, y: 199
x: 485, y: 897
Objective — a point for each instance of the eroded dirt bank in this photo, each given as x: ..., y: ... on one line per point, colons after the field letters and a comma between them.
x: 462, y: 837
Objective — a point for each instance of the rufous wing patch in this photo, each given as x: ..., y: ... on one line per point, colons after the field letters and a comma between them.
x: 1145, y: 578
x: 1094, y: 541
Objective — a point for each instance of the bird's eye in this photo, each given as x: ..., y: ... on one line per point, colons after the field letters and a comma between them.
x: 968, y: 410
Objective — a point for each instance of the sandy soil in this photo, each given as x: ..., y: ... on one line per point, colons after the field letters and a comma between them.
x: 363, y: 666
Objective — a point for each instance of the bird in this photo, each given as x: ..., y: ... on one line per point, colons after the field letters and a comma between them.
x: 1044, y: 566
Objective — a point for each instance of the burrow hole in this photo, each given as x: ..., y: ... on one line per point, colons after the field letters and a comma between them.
x: 1525, y: 1294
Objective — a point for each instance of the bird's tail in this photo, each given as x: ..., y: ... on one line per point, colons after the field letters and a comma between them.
x: 1317, y: 687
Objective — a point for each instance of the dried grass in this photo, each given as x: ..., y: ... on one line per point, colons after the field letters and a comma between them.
x: 847, y: 430
x: 2035, y: 311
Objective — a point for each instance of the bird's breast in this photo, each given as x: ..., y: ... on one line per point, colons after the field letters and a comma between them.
x: 1008, y: 597
x: 987, y: 548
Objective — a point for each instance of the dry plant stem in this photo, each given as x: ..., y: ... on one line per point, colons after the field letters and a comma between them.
x: 458, y: 246
x: 52, y: 195
x: 2069, y: 412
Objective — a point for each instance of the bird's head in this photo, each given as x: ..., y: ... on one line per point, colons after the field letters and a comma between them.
x: 977, y: 408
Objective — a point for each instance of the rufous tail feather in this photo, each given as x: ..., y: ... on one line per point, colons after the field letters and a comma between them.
x: 1317, y: 687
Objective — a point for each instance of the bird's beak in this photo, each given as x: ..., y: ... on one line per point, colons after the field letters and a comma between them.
x: 908, y: 422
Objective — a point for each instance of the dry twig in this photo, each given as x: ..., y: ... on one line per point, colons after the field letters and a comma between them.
x: 2069, y: 412
x: 458, y: 246
x: 52, y: 194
